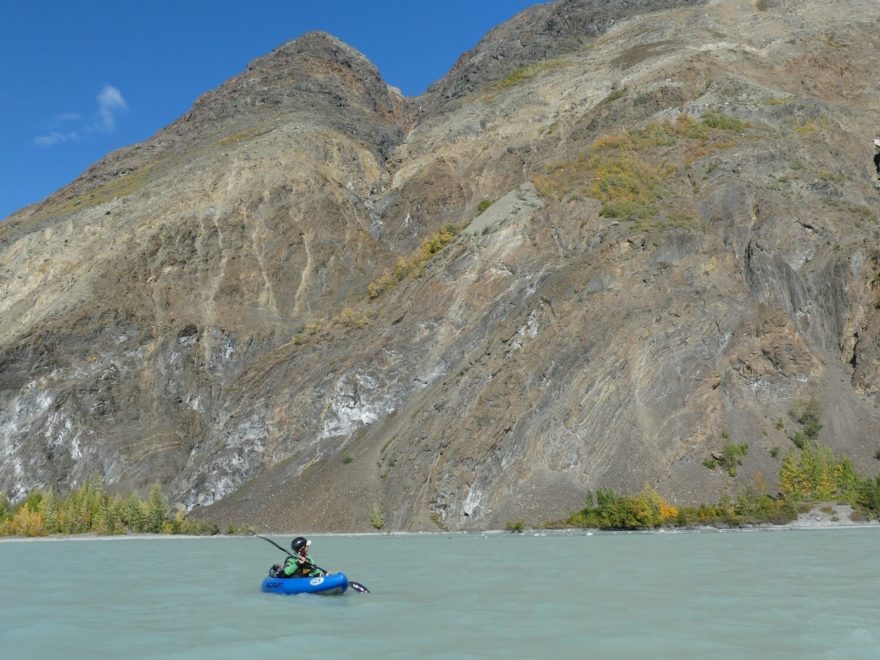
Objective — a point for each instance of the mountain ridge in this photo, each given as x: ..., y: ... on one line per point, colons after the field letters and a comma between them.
x: 666, y: 240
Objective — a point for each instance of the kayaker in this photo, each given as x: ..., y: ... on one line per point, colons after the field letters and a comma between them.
x: 300, y: 564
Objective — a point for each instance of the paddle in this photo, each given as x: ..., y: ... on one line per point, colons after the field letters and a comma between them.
x: 357, y: 586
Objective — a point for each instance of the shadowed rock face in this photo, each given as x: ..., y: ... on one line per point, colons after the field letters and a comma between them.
x: 682, y: 246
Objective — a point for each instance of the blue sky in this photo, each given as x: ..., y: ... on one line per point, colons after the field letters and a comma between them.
x: 81, y: 79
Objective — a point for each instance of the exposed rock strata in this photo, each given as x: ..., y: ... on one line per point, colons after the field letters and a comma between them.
x: 194, y: 310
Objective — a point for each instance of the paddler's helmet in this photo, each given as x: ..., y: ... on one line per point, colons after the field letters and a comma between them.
x: 299, y: 543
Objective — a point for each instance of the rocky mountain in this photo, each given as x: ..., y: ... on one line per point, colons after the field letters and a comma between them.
x: 617, y: 236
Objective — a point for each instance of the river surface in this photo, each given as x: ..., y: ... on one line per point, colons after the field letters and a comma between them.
x: 733, y: 594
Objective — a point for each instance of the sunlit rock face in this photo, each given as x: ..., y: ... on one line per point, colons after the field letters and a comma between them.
x: 261, y: 308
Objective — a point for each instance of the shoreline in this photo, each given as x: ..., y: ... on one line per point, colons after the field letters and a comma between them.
x: 824, y: 517
x: 821, y: 517
x: 833, y: 516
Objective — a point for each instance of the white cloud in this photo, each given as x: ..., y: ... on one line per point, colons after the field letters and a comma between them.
x: 110, y: 103
x: 55, y: 137
x: 110, y: 100
x: 48, y: 140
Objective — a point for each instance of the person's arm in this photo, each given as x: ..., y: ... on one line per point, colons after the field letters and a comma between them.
x: 290, y: 567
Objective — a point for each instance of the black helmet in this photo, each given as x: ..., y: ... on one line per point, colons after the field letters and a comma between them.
x: 299, y: 543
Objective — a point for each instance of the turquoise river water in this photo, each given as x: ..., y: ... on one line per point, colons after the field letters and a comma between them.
x: 709, y: 594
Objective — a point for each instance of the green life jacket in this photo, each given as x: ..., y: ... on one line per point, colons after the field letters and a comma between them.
x: 292, y: 569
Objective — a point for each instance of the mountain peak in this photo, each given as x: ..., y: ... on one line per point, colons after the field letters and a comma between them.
x: 315, y: 75
x: 312, y: 47
x: 538, y: 33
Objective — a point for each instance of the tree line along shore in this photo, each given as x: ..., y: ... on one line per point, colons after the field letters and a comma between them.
x: 807, y: 478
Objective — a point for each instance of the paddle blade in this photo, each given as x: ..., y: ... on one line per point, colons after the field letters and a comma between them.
x: 357, y: 586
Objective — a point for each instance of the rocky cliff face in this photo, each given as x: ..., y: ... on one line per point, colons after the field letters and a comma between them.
x: 682, y: 246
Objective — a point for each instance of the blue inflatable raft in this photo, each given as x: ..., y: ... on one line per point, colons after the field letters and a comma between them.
x: 327, y: 585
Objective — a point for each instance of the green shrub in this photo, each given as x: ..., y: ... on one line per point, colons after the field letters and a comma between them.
x: 5, y: 508
x: 484, y: 204
x: 818, y: 474
x: 868, y: 496
x: 723, y: 122
x: 611, y: 511
x: 752, y: 506
x: 377, y: 517
x: 732, y: 455
x: 807, y: 414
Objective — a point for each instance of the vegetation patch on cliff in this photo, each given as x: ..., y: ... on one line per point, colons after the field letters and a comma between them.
x: 632, y: 172
x: 347, y: 318
x: 116, y: 188
x: 414, y: 263
x: 523, y: 74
